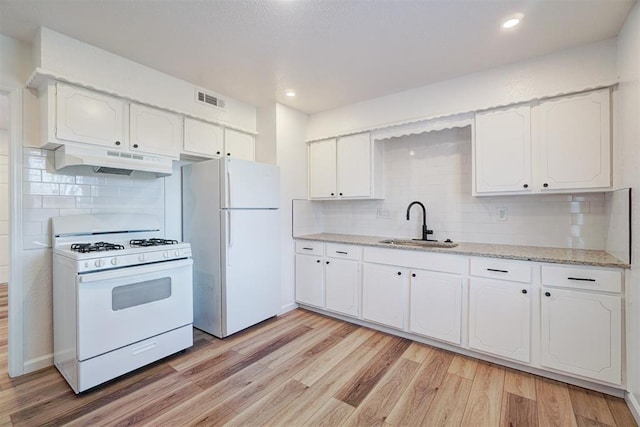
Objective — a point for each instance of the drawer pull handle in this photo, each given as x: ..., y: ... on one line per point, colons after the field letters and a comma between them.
x: 497, y: 271
x: 580, y: 279
x: 342, y: 252
x: 308, y: 249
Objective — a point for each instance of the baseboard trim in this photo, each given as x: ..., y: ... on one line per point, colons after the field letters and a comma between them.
x: 633, y: 405
x: 286, y: 308
x: 38, y: 363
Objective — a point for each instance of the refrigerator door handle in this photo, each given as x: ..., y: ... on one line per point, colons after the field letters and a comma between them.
x: 229, y: 236
x: 228, y: 204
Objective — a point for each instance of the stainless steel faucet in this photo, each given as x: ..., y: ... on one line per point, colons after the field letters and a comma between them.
x: 425, y: 230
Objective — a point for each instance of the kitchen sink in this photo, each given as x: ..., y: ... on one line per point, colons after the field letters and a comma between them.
x: 418, y: 243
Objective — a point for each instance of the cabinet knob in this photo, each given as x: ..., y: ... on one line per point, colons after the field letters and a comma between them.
x: 228, y: 154
x: 117, y: 142
x: 327, y: 262
x: 524, y: 291
x: 217, y: 152
x: 341, y: 194
x: 135, y: 145
x: 333, y: 194
x: 545, y: 185
x: 547, y: 294
x: 318, y: 261
x: 413, y: 274
x: 399, y: 273
x: 526, y: 186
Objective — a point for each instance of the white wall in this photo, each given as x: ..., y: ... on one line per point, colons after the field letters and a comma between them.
x: 266, y: 141
x: 627, y: 155
x: 567, y: 71
x: 291, y: 126
x: 435, y: 168
x: 84, y: 63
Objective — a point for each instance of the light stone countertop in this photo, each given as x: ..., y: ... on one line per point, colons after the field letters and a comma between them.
x: 526, y: 253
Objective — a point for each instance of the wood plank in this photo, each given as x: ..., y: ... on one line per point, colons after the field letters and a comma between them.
x: 318, y: 395
x: 520, y: 383
x: 620, y: 411
x: 354, y: 392
x: 314, y: 371
x: 333, y: 413
x: 463, y: 366
x: 518, y: 411
x: 418, y: 396
x: 378, y: 404
x: 217, y: 416
x: 485, y: 399
x: 554, y: 403
x: 447, y: 407
x: 417, y: 352
x: 590, y: 404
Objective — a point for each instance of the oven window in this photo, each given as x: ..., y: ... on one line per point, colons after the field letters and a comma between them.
x: 140, y: 293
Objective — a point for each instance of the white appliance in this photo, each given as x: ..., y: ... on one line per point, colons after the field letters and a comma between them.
x: 231, y: 218
x: 121, y: 305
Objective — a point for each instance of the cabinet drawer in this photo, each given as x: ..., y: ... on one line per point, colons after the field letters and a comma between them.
x: 582, y: 278
x: 499, y: 269
x: 343, y: 251
x: 310, y: 248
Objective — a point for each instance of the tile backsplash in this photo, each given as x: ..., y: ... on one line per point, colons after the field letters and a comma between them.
x: 47, y: 193
x: 435, y: 169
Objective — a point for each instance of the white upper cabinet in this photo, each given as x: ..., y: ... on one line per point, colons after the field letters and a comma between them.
x: 202, y: 138
x: 239, y: 145
x: 559, y: 145
x: 322, y: 169
x: 154, y: 131
x: 575, y: 142
x: 86, y: 116
x: 503, y: 151
x: 349, y: 167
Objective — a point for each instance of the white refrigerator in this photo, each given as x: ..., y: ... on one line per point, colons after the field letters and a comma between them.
x: 231, y: 218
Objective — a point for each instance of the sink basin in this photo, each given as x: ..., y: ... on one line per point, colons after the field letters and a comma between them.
x: 418, y: 243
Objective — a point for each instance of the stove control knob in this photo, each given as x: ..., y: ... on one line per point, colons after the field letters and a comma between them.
x: 99, y: 262
x: 177, y: 253
x: 166, y: 254
x: 141, y: 257
x: 114, y: 261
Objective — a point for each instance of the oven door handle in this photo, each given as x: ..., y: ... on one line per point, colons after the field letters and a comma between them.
x: 134, y: 270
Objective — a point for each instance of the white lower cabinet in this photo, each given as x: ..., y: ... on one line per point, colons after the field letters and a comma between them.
x: 500, y: 318
x: 384, y: 294
x: 342, y: 286
x: 436, y: 305
x: 309, y: 280
x: 582, y: 333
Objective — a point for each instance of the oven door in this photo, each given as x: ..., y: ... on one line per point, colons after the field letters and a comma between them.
x: 120, y: 307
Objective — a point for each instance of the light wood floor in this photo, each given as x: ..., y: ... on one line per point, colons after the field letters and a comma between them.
x: 307, y: 369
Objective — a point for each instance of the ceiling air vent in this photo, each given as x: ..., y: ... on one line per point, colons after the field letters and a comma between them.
x: 209, y: 99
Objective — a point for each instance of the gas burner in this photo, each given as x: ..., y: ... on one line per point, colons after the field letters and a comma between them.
x: 95, y: 247
x: 151, y: 242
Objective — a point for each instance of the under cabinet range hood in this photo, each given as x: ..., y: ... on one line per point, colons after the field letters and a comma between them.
x: 105, y: 160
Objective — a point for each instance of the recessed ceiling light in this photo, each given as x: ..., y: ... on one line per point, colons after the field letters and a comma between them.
x: 511, y: 22
x: 290, y: 93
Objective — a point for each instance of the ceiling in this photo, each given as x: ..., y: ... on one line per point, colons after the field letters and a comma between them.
x: 331, y: 52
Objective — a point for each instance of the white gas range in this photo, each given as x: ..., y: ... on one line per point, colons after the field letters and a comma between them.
x: 123, y: 296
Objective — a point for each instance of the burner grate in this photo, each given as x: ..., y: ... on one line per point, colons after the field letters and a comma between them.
x: 95, y: 247
x: 151, y: 242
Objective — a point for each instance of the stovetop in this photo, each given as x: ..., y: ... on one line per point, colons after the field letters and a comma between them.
x: 108, y: 246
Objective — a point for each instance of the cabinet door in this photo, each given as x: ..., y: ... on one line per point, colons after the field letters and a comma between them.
x: 503, y: 151
x: 500, y: 318
x: 384, y: 295
x: 239, y: 145
x: 322, y: 169
x: 154, y: 131
x: 89, y: 117
x: 342, y: 286
x: 436, y: 305
x: 202, y: 138
x: 309, y: 280
x: 354, y: 166
x: 581, y: 333
x: 575, y: 142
